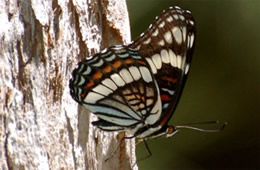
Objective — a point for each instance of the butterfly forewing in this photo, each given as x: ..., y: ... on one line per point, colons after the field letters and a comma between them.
x: 167, y: 46
x: 117, y: 85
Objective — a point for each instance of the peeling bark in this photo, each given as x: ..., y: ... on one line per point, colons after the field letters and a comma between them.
x: 41, y: 127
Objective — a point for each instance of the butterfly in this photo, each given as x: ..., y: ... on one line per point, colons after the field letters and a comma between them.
x: 137, y: 87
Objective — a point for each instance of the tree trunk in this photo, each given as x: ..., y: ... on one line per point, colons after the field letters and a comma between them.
x: 41, y: 126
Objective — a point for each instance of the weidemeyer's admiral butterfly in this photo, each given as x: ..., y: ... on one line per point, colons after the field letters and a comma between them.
x: 137, y: 87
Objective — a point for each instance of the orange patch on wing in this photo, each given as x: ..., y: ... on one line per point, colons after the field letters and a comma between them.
x: 128, y: 61
x: 170, y: 79
x: 117, y: 64
x: 165, y: 97
x: 83, y: 94
x: 141, y: 62
x: 97, y: 75
x: 107, y: 69
x: 141, y: 106
x: 90, y: 84
x: 140, y: 97
x: 130, y: 97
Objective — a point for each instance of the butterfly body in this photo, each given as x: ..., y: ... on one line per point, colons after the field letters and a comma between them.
x: 137, y: 87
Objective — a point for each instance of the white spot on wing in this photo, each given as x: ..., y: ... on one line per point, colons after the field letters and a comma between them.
x: 171, y: 92
x: 98, y: 64
x: 179, y: 61
x: 143, y: 112
x: 82, y: 81
x: 117, y: 47
x: 110, y: 58
x: 168, y: 37
x: 177, y: 34
x: 162, y: 24
x: 126, y: 76
x: 191, y: 40
x: 155, y: 33
x: 161, y: 43
x: 146, y: 74
x: 147, y: 41
x: 104, y: 50
x: 182, y: 17
x: 87, y: 71
x: 165, y: 105
x: 169, y: 19
x: 102, y: 90
x: 165, y: 56
x: 184, y: 32
x: 135, y: 72
x: 154, y: 70
x: 92, y: 97
x: 175, y: 16
x: 117, y: 79
x: 109, y: 83
x: 173, y: 58
x: 157, y: 61
x: 187, y: 68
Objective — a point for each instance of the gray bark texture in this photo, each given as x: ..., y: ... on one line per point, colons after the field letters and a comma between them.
x: 41, y: 126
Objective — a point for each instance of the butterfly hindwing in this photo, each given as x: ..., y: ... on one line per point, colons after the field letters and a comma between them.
x: 117, y: 85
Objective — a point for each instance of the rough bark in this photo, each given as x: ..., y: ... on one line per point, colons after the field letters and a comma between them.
x: 41, y: 126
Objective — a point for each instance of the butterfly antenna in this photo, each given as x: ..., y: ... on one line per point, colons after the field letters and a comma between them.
x: 191, y: 126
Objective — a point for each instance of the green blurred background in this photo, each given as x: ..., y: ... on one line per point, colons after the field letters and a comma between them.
x: 223, y: 84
